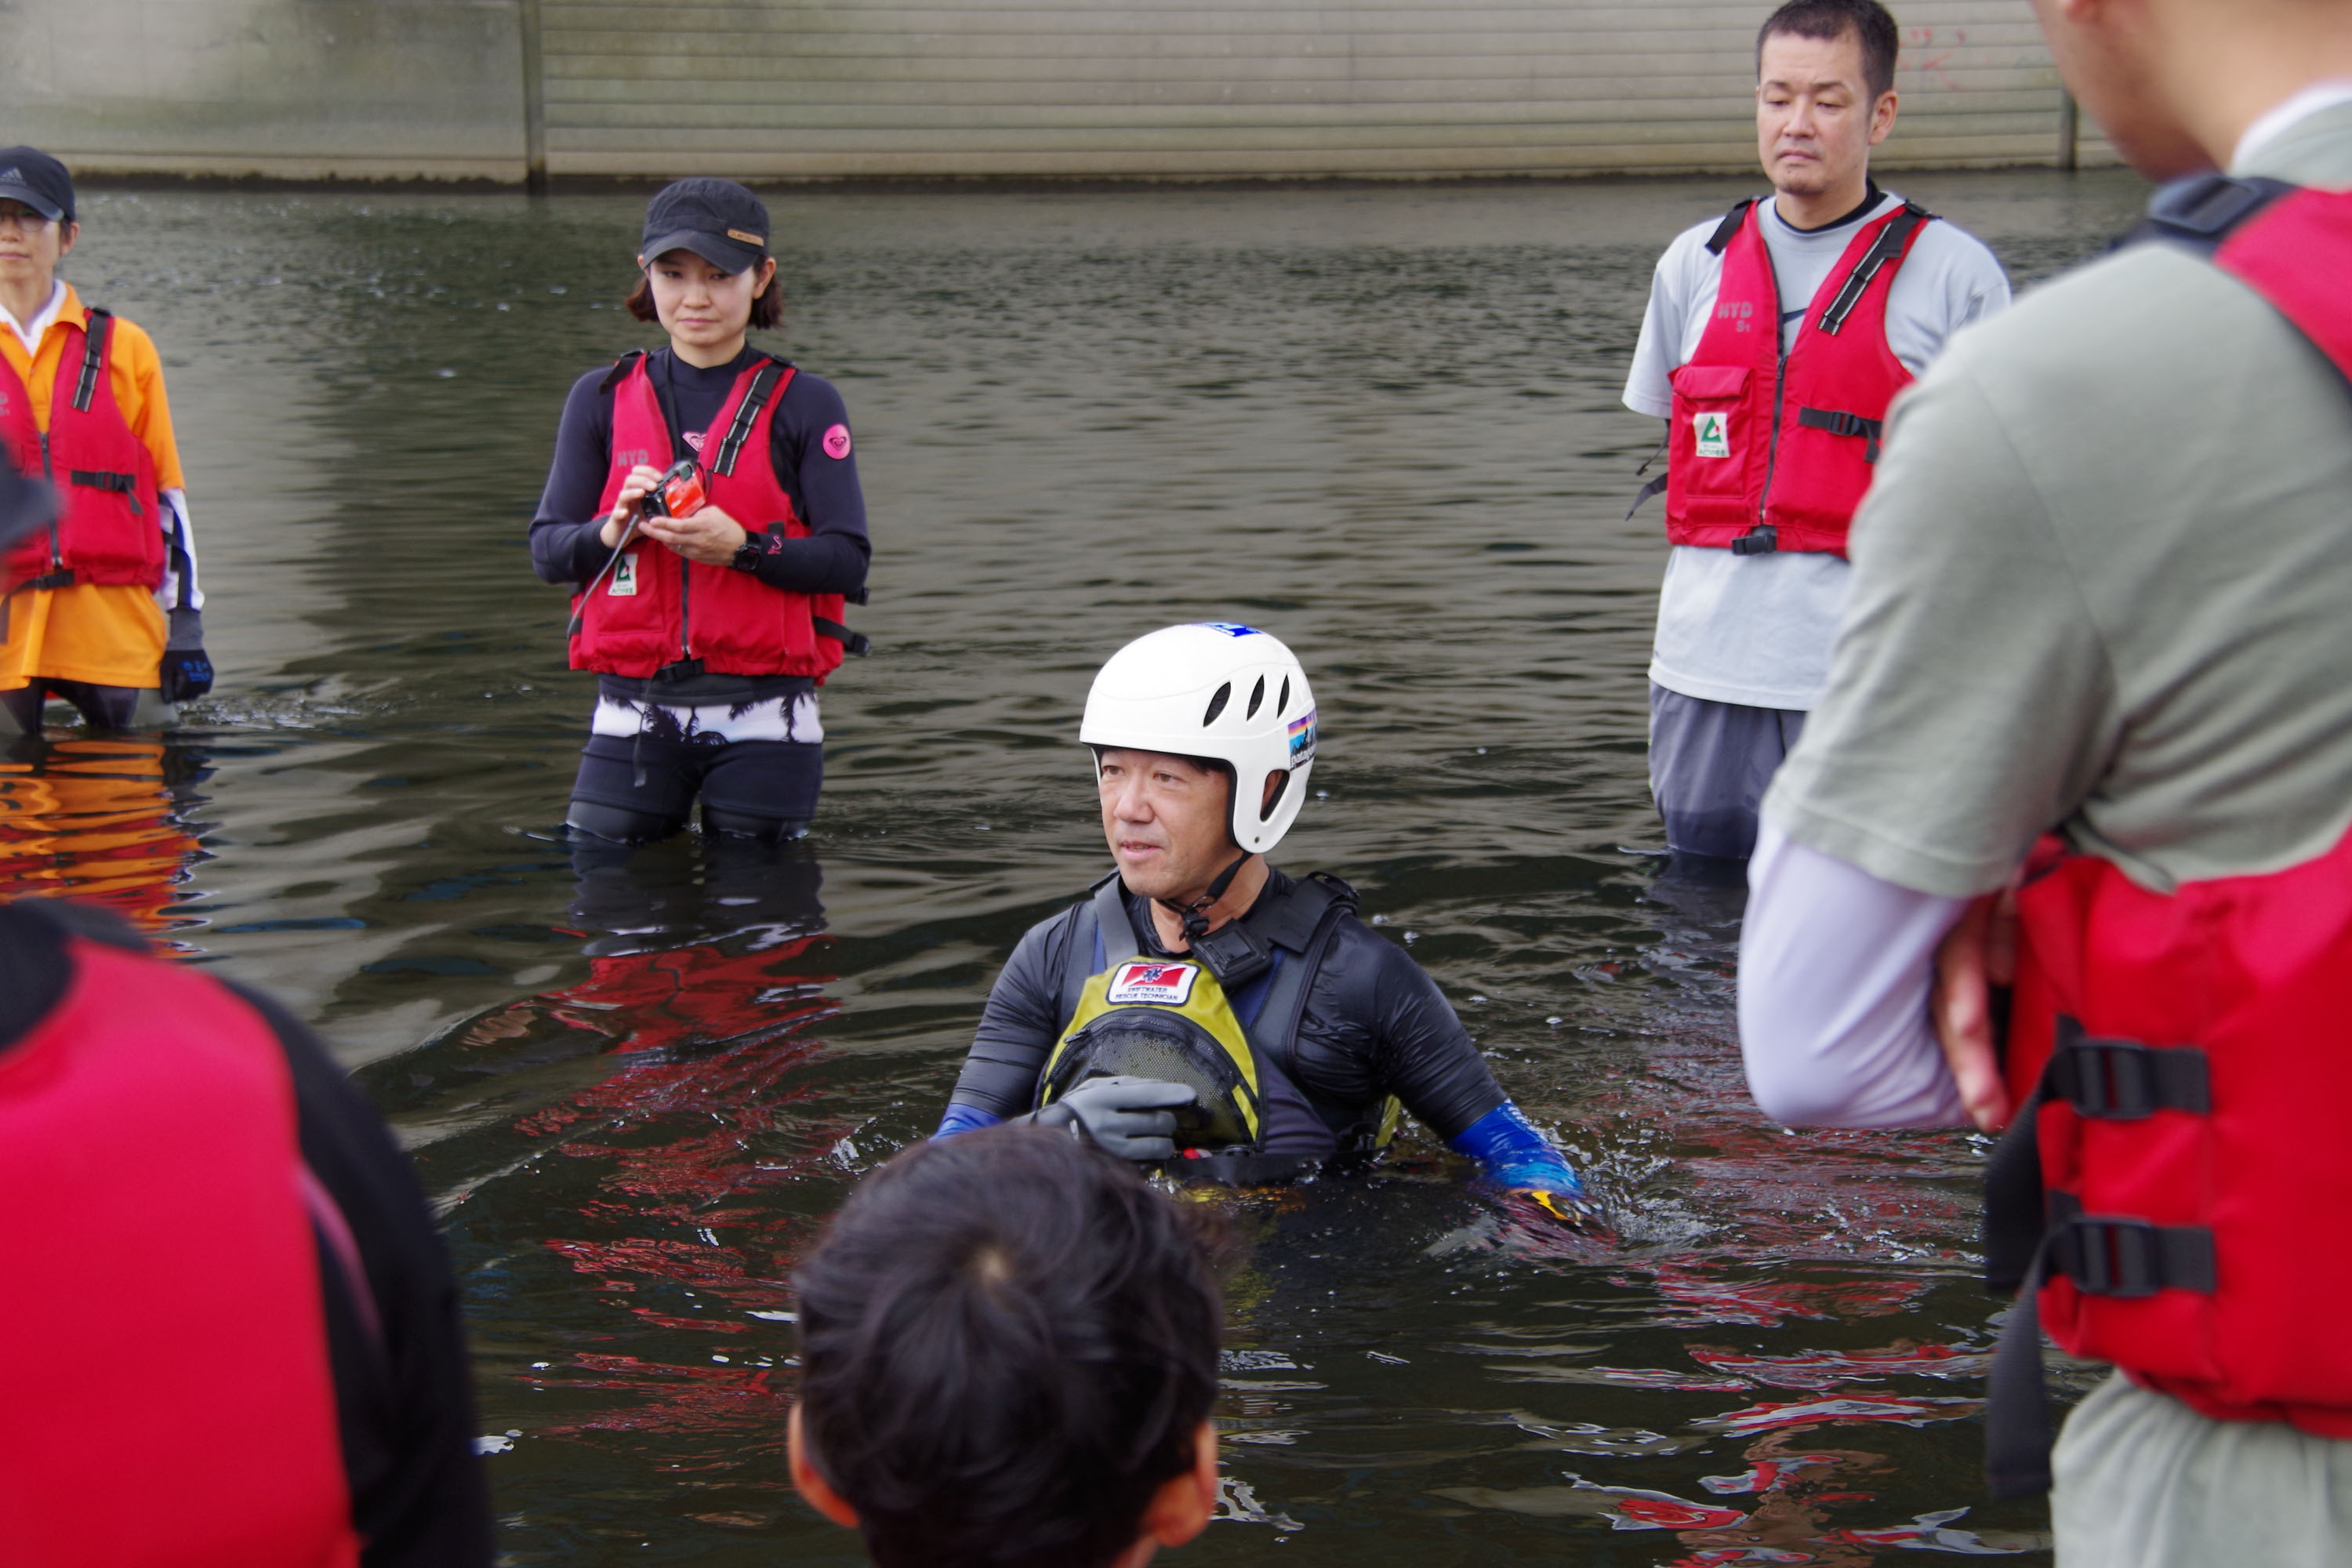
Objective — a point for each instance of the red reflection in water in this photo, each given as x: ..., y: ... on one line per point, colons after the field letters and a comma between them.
x: 90, y: 819
x: 1791, y: 1521
x: 713, y: 1400
x: 1767, y: 1304
x: 707, y: 1110
x: 1828, y: 1369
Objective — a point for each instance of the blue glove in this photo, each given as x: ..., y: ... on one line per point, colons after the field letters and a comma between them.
x: 1513, y: 1155
x: 962, y: 1118
x: 186, y: 673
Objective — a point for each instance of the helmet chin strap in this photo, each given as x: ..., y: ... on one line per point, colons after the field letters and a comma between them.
x: 1195, y: 914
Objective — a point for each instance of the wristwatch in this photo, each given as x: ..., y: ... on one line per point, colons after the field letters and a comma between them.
x: 748, y: 554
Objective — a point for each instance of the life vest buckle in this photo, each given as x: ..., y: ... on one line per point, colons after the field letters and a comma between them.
x: 2124, y: 1080
x: 2129, y: 1260
x: 1764, y: 541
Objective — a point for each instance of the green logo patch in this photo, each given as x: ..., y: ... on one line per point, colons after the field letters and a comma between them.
x: 1714, y: 434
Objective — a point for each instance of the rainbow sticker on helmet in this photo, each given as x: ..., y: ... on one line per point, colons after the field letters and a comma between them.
x: 1230, y: 629
x: 1152, y: 984
x: 1302, y: 738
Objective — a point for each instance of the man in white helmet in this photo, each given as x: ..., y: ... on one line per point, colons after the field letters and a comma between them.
x: 1202, y: 1011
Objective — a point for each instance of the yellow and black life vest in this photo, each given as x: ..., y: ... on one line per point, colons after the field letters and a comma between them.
x: 1171, y: 1019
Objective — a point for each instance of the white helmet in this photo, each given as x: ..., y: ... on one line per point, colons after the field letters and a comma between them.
x: 1230, y: 693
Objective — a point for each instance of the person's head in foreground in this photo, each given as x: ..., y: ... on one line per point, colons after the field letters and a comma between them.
x: 1008, y: 1354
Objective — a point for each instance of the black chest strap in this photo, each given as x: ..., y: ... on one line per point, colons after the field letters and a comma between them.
x: 1721, y: 238
x: 747, y: 413
x: 1301, y: 919
x: 95, y: 333
x: 1886, y: 251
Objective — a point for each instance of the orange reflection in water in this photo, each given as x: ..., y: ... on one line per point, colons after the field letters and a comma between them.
x: 92, y: 818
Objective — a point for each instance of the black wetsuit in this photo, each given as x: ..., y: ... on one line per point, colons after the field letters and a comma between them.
x: 1373, y: 1025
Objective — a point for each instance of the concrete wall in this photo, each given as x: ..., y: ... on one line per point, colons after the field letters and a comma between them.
x: 295, y: 90
x: 832, y: 88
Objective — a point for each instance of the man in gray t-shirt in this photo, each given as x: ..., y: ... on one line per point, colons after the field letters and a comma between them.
x: 1744, y: 634
x: 2101, y: 586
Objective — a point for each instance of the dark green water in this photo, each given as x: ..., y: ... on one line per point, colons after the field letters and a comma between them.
x: 1381, y: 423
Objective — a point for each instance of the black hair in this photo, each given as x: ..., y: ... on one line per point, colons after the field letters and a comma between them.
x: 1008, y: 1340
x: 767, y: 305
x: 1871, y: 23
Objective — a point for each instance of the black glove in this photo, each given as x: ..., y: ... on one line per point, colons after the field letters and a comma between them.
x: 1128, y: 1117
x: 186, y: 674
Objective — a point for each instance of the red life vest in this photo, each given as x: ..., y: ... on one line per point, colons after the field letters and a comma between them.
x: 1768, y: 451
x: 110, y: 525
x: 2190, y: 1057
x: 653, y: 608
x: 165, y: 1393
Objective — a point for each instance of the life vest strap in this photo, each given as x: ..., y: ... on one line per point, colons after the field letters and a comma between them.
x: 1729, y: 225
x: 62, y: 577
x: 1893, y: 240
x: 1763, y: 541
x: 2123, y: 1080
x: 2113, y: 1254
x: 93, y: 358
x: 1837, y: 422
x: 747, y: 412
x: 2205, y: 209
x: 851, y: 642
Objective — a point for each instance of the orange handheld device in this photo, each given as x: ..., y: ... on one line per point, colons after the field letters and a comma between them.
x: 679, y: 492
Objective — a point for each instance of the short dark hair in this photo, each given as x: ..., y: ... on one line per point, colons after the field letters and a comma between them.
x: 1008, y: 1340
x: 1871, y: 23
x: 767, y: 305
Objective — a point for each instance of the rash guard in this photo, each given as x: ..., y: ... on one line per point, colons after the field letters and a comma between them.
x: 1373, y: 1025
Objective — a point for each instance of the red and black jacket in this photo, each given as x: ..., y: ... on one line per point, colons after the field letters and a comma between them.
x: 109, y: 527
x: 230, y: 1334
x: 652, y: 611
x: 2172, y: 1196
x: 1768, y: 450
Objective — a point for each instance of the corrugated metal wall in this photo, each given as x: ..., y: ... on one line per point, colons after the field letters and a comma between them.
x: 786, y: 89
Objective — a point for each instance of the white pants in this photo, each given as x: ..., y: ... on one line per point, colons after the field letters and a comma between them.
x: 2143, y: 1481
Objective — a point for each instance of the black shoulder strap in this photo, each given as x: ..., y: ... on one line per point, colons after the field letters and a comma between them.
x: 621, y: 368
x: 747, y: 413
x: 1276, y: 1033
x: 95, y: 334
x: 2203, y: 210
x: 1103, y: 915
x: 1728, y: 226
x: 1893, y: 242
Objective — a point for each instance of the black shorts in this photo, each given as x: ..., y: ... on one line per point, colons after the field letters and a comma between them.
x: 768, y: 788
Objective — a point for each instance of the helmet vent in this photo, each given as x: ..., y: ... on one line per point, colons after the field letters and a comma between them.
x: 1217, y: 704
x: 1257, y: 698
x: 1282, y: 703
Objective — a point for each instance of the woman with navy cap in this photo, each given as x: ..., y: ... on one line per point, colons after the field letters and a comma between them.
x: 704, y: 507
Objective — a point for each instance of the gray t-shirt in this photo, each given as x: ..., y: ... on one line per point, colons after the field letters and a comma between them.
x: 2103, y: 581
x: 1756, y: 629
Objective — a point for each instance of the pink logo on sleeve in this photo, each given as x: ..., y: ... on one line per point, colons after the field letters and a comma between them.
x: 837, y: 442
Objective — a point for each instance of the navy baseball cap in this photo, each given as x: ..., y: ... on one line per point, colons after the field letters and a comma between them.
x: 718, y: 220
x: 31, y: 177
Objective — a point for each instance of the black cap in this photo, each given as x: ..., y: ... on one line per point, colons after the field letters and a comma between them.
x: 31, y: 177
x: 718, y: 220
